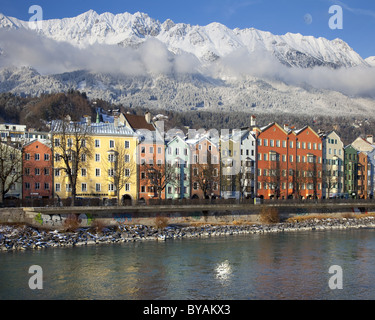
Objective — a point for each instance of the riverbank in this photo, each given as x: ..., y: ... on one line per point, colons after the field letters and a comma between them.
x: 23, y: 237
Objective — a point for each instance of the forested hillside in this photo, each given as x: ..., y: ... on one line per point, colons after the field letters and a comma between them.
x: 35, y: 111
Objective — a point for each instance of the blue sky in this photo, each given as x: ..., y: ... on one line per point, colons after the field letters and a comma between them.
x: 276, y: 16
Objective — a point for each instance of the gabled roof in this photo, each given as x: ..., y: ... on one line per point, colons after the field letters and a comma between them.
x: 138, y: 122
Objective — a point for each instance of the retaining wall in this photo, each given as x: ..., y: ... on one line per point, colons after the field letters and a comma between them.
x: 56, y: 217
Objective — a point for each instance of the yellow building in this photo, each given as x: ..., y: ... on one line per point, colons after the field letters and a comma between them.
x: 105, y: 167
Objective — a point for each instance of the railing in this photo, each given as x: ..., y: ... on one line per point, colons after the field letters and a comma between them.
x: 95, y: 202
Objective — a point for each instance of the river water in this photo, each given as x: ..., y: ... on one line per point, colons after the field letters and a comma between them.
x: 287, y: 265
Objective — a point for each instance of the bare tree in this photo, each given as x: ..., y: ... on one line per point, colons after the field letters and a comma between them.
x: 72, y: 143
x: 160, y: 175
x: 205, y: 174
x: 10, y: 167
x: 121, y: 167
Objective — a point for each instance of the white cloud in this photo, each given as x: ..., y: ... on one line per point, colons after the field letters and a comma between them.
x: 25, y: 48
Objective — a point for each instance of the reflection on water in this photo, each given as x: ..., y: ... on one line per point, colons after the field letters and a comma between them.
x: 271, y: 266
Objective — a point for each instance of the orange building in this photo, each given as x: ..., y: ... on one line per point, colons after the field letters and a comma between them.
x: 37, y: 170
x: 289, y: 162
x: 152, y: 175
x: 362, y: 175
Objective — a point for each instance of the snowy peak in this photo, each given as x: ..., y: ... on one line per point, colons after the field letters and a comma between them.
x: 207, y: 43
x: 371, y: 61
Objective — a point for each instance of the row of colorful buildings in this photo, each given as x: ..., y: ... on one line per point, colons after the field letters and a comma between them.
x: 131, y: 157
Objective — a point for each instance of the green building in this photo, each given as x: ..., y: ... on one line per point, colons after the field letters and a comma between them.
x: 351, y: 171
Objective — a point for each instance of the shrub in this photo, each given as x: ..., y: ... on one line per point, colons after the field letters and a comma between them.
x: 71, y: 223
x: 269, y: 215
x: 97, y: 226
x: 161, y: 222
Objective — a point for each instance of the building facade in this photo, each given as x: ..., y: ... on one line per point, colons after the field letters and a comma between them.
x: 106, y: 168
x: 289, y: 163
x: 333, y: 166
x: 37, y: 170
x: 351, y: 172
x: 178, y: 156
x: 205, y: 168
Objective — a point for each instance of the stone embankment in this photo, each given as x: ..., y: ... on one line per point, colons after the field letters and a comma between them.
x: 27, y: 238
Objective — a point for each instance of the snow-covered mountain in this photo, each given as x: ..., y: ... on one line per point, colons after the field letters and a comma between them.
x: 371, y: 61
x: 138, y: 61
x: 207, y: 43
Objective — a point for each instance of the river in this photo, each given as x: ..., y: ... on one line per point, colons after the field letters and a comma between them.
x: 290, y: 265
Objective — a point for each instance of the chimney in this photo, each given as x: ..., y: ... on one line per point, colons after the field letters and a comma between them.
x: 148, y: 117
x: 88, y: 120
x: 370, y: 139
x: 116, y: 121
x: 253, y: 121
x: 286, y: 127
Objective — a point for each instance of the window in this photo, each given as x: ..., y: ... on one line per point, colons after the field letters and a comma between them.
x: 68, y: 187
x: 111, y: 172
x: 290, y: 158
x: 46, y: 186
x: 37, y: 157
x: 46, y: 171
x: 83, y: 172
x: 46, y: 157
x: 265, y: 142
x: 111, y: 143
x: 83, y: 143
x: 37, y: 185
x: 57, y: 142
x: 27, y: 185
x: 69, y: 143
x: 27, y: 171
x: 57, y: 157
x: 272, y: 143
x: 127, y: 144
x: 83, y: 157
x: 98, y: 187
x: 291, y: 144
x: 111, y: 187
x: 159, y: 150
x: 97, y: 143
x: 127, y: 187
x: 57, y: 172
x: 97, y: 157
x: 143, y: 189
x: 27, y: 156
x: 37, y: 171
x: 195, y: 185
x: 84, y: 187
x: 111, y: 157
x: 127, y: 158
x: 127, y: 172
x: 58, y: 187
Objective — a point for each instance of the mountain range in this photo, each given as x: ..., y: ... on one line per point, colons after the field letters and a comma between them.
x: 136, y: 60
